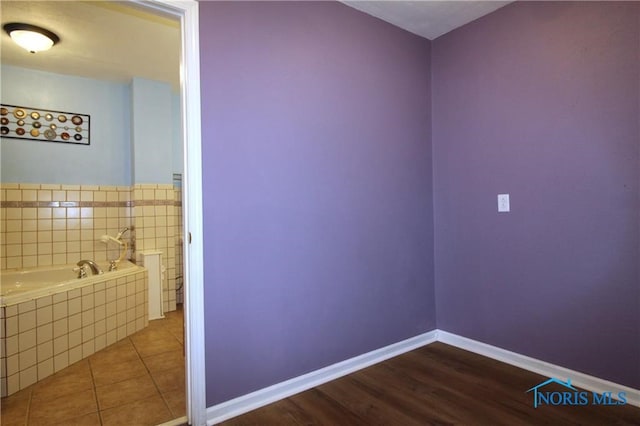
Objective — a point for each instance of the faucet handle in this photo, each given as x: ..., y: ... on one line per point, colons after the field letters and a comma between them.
x: 113, y: 265
x: 82, y: 272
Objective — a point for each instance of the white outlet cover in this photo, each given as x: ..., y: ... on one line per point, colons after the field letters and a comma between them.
x: 503, y: 203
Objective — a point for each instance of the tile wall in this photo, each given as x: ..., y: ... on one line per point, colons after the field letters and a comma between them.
x: 177, y: 196
x: 44, y: 225
x: 42, y: 336
x: 154, y: 215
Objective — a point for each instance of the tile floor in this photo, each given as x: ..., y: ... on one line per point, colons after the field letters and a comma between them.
x: 137, y: 381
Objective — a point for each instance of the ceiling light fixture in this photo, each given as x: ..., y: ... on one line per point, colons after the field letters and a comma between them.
x: 31, y: 38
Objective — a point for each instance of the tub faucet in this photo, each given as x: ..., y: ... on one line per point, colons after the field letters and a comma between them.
x: 95, y: 269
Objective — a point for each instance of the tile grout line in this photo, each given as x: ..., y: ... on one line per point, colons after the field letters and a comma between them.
x: 153, y: 380
x: 166, y: 403
x: 29, y: 407
x: 168, y: 328
x: 169, y: 320
x: 95, y: 391
x: 183, y: 354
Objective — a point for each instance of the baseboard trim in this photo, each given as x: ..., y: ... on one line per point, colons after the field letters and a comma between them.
x: 578, y: 379
x: 243, y: 404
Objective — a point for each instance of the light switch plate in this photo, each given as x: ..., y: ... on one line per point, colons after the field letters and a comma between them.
x: 503, y: 203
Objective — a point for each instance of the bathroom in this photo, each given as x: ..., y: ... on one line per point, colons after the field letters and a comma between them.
x: 59, y: 200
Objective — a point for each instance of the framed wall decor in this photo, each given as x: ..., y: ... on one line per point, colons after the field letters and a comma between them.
x: 20, y: 122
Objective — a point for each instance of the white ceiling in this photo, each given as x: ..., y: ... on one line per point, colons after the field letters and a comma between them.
x: 429, y: 19
x: 115, y: 41
x: 102, y: 40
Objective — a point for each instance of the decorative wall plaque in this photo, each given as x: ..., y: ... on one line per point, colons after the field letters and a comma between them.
x: 19, y: 122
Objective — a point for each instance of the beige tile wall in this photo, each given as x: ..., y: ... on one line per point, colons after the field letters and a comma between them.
x: 44, y: 225
x: 155, y: 218
x: 177, y: 195
x: 42, y: 336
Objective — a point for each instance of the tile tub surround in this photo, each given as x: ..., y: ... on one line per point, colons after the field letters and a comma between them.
x: 44, y: 225
x: 43, y: 336
x: 139, y: 380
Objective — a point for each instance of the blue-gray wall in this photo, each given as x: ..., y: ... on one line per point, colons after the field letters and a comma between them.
x: 177, y: 143
x: 135, y: 130
x: 152, y: 133
x: 106, y: 161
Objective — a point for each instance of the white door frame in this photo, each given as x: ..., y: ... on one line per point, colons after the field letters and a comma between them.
x: 187, y: 12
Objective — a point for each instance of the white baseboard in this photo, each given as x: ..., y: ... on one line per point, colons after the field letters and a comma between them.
x: 578, y: 379
x: 232, y: 408
x: 243, y: 404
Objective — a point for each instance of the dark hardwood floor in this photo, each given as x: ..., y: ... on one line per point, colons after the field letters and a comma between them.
x: 434, y: 385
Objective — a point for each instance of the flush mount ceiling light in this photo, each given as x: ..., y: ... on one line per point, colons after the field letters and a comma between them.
x: 31, y: 38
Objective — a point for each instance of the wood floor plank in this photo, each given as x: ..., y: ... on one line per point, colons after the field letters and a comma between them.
x: 271, y: 414
x: 504, y: 379
x: 322, y: 410
x: 416, y: 398
x: 367, y: 402
x: 433, y: 385
x: 462, y: 390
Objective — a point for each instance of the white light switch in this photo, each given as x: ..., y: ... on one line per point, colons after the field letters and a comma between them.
x: 503, y: 203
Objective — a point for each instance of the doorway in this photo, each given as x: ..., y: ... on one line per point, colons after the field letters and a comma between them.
x: 186, y: 13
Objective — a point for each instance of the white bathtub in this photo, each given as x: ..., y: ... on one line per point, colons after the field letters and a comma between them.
x: 28, y: 284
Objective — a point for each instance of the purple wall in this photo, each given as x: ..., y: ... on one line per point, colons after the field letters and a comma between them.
x: 317, y: 189
x: 542, y: 101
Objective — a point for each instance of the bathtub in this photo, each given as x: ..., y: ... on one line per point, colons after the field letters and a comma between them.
x: 50, y: 318
x: 21, y: 285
